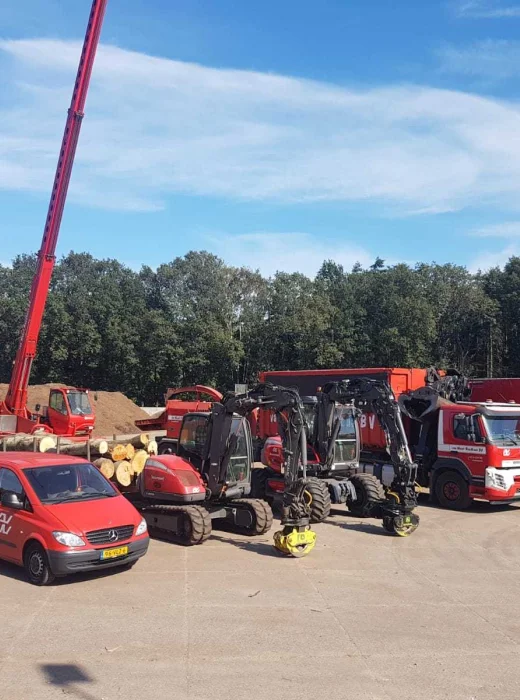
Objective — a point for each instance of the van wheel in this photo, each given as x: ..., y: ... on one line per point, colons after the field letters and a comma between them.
x: 452, y: 491
x: 36, y: 564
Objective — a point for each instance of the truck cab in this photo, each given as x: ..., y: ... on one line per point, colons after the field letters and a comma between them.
x: 479, y: 442
x: 69, y: 412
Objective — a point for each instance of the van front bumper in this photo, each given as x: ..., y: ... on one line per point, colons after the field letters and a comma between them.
x: 64, y: 563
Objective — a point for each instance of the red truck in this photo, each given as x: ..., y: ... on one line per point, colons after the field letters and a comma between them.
x: 59, y: 516
x: 464, y: 450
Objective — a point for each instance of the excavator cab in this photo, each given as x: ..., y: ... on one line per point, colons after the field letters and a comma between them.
x: 194, y: 440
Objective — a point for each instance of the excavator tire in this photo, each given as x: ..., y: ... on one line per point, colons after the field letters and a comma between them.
x: 259, y: 483
x: 318, y: 497
x: 196, y: 524
x: 369, y: 491
x: 262, y: 515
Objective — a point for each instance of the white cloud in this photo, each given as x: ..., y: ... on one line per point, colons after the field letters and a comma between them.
x: 490, y: 59
x: 156, y: 127
x: 290, y: 252
x: 487, y: 259
x: 507, y: 229
x: 485, y: 9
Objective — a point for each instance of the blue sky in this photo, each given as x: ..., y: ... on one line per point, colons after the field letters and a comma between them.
x: 273, y: 134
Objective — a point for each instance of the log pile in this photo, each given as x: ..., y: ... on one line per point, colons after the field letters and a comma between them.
x: 120, y: 461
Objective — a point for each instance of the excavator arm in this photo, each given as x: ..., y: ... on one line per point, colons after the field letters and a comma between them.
x: 296, y: 538
x: 374, y: 396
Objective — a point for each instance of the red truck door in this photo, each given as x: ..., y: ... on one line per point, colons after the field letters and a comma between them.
x: 458, y: 431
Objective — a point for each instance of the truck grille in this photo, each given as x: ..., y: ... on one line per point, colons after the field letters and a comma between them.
x: 110, y: 535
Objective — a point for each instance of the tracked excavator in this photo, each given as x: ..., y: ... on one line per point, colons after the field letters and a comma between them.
x: 208, y: 481
x: 334, y: 439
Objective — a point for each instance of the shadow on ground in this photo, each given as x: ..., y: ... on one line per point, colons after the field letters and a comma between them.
x: 68, y: 677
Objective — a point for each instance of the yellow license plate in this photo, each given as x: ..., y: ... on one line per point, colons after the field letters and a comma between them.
x: 114, y: 553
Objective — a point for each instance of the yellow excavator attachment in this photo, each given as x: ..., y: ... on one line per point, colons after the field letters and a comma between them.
x: 295, y: 542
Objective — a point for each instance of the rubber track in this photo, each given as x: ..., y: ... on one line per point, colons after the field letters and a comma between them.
x: 374, y: 491
x: 263, y: 515
x: 320, y: 506
x: 200, y: 523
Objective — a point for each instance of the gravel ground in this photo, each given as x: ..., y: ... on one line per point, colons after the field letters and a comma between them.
x: 365, y: 615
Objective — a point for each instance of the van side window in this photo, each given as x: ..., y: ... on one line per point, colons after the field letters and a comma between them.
x: 10, y: 482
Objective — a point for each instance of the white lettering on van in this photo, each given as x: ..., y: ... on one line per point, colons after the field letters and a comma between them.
x: 5, y: 519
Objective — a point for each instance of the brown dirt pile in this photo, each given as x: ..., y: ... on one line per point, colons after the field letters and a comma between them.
x: 115, y: 413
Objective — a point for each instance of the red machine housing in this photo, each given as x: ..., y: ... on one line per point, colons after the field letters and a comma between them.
x: 500, y: 390
x: 173, y: 479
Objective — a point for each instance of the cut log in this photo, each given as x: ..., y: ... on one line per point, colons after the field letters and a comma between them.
x: 130, y: 452
x: 80, y: 449
x: 106, y: 467
x: 29, y: 443
x: 151, y: 447
x: 118, y: 452
x: 140, y: 441
x: 138, y: 461
x: 123, y: 472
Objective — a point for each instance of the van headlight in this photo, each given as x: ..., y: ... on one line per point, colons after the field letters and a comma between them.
x: 141, y: 528
x: 68, y: 539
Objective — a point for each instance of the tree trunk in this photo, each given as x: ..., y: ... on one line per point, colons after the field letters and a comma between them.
x: 80, y: 449
x: 138, y: 461
x: 123, y: 472
x: 117, y: 451
x: 151, y: 447
x: 105, y: 466
x: 30, y: 443
x: 140, y: 441
x: 130, y: 451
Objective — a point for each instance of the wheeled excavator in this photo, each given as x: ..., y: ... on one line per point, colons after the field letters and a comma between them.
x: 335, y: 441
x: 208, y: 481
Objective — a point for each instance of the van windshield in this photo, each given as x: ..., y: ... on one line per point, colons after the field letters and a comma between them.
x: 503, y: 429
x: 69, y: 482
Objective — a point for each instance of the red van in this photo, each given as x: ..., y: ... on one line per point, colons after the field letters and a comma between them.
x: 59, y: 515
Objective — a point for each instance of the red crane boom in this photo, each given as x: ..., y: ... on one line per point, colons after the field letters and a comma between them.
x: 16, y: 398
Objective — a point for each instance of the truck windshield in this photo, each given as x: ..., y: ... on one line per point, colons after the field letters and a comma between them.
x: 69, y: 482
x: 503, y: 429
x: 79, y: 403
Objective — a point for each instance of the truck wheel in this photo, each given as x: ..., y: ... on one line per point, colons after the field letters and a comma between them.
x: 452, y: 491
x: 36, y: 564
x: 369, y: 490
x: 262, y: 515
x: 318, y: 498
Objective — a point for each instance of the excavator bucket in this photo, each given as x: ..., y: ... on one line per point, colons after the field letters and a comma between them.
x: 421, y: 403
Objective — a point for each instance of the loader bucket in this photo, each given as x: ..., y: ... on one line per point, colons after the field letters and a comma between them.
x: 421, y: 403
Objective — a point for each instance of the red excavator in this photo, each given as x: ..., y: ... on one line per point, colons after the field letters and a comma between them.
x: 69, y: 411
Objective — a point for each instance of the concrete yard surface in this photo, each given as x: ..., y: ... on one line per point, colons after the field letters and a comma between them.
x: 365, y: 616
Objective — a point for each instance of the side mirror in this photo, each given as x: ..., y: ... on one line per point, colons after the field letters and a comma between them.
x: 11, y: 500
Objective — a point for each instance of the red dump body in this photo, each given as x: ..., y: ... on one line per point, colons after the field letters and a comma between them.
x: 309, y: 381
x: 499, y: 390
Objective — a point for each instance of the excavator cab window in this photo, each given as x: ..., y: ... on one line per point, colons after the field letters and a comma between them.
x: 239, y: 466
x: 193, y: 434
x: 346, y: 449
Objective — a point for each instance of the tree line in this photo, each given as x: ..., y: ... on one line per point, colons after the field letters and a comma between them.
x: 198, y: 320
